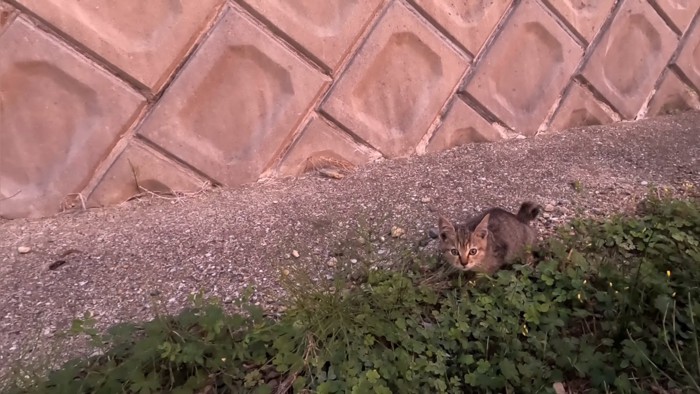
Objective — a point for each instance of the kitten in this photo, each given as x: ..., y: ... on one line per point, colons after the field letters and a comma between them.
x: 489, y: 240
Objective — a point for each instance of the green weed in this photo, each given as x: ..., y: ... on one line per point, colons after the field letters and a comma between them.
x: 612, y: 306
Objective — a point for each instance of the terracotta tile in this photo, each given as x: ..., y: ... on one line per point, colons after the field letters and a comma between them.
x: 60, y: 116
x: 153, y: 172
x: 672, y: 96
x: 579, y: 108
x: 681, y: 12
x: 235, y: 103
x: 397, y: 84
x: 327, y: 28
x: 627, y: 61
x: 689, y: 57
x: 469, y: 22
x: 146, y: 39
x: 462, y: 125
x: 524, y: 72
x: 586, y: 16
x: 321, y: 140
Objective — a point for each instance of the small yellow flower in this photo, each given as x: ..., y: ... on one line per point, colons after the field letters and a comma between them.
x: 674, y: 294
x: 668, y: 273
x: 223, y: 359
x: 525, y: 330
x: 585, y: 281
x: 610, y: 283
x: 579, y: 296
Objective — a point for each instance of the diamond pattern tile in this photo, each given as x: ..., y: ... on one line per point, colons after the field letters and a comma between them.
x: 462, y: 125
x: 627, y: 61
x: 326, y: 28
x: 689, y: 57
x: 146, y: 39
x: 523, y: 73
x: 60, y: 116
x: 681, y: 12
x: 586, y: 16
x: 6, y: 14
x: 394, y: 89
x: 153, y: 172
x: 235, y: 103
x: 579, y: 108
x: 671, y: 96
x: 470, y: 22
x: 322, y: 144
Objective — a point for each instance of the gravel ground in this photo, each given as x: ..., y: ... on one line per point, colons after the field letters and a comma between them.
x: 124, y: 262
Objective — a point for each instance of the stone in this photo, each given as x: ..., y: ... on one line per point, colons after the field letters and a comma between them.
x: 680, y: 12
x: 152, y: 169
x: 145, y: 39
x: 526, y: 69
x: 433, y: 233
x: 396, y: 86
x: 326, y: 29
x: 627, y: 61
x: 688, y: 60
x: 321, y: 141
x: 672, y: 96
x: 397, y: 232
x: 295, y: 253
x: 585, y: 16
x: 235, y: 105
x: 61, y: 116
x: 24, y: 249
x: 579, y: 108
x: 559, y: 388
x: 463, y: 125
x: 469, y: 22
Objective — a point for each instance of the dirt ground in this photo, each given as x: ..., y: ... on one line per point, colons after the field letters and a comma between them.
x: 124, y: 262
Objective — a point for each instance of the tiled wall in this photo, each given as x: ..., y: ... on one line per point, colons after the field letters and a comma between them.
x: 95, y: 95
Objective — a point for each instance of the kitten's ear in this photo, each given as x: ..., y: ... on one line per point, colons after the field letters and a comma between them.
x: 482, y: 229
x: 445, y: 228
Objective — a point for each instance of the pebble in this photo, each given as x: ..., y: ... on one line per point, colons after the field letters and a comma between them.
x: 644, y: 183
x: 361, y: 241
x: 24, y: 249
x: 425, y: 200
x: 354, y: 261
x: 295, y: 253
x: 549, y: 208
x: 396, y: 232
x: 332, y: 262
x: 433, y: 233
x: 285, y: 272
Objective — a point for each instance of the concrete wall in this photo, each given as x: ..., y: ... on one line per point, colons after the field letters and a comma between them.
x: 180, y: 93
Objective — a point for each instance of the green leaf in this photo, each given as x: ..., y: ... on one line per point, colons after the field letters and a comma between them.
x: 372, y: 376
x: 508, y: 370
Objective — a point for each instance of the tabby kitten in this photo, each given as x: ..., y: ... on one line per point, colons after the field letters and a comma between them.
x: 490, y: 240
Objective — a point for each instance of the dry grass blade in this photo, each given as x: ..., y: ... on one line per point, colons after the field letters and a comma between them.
x: 329, y: 166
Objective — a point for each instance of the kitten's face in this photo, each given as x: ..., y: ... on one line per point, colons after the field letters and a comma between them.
x: 464, y: 249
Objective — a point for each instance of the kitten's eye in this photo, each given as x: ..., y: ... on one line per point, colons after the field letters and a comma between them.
x: 472, y: 251
x: 454, y: 252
